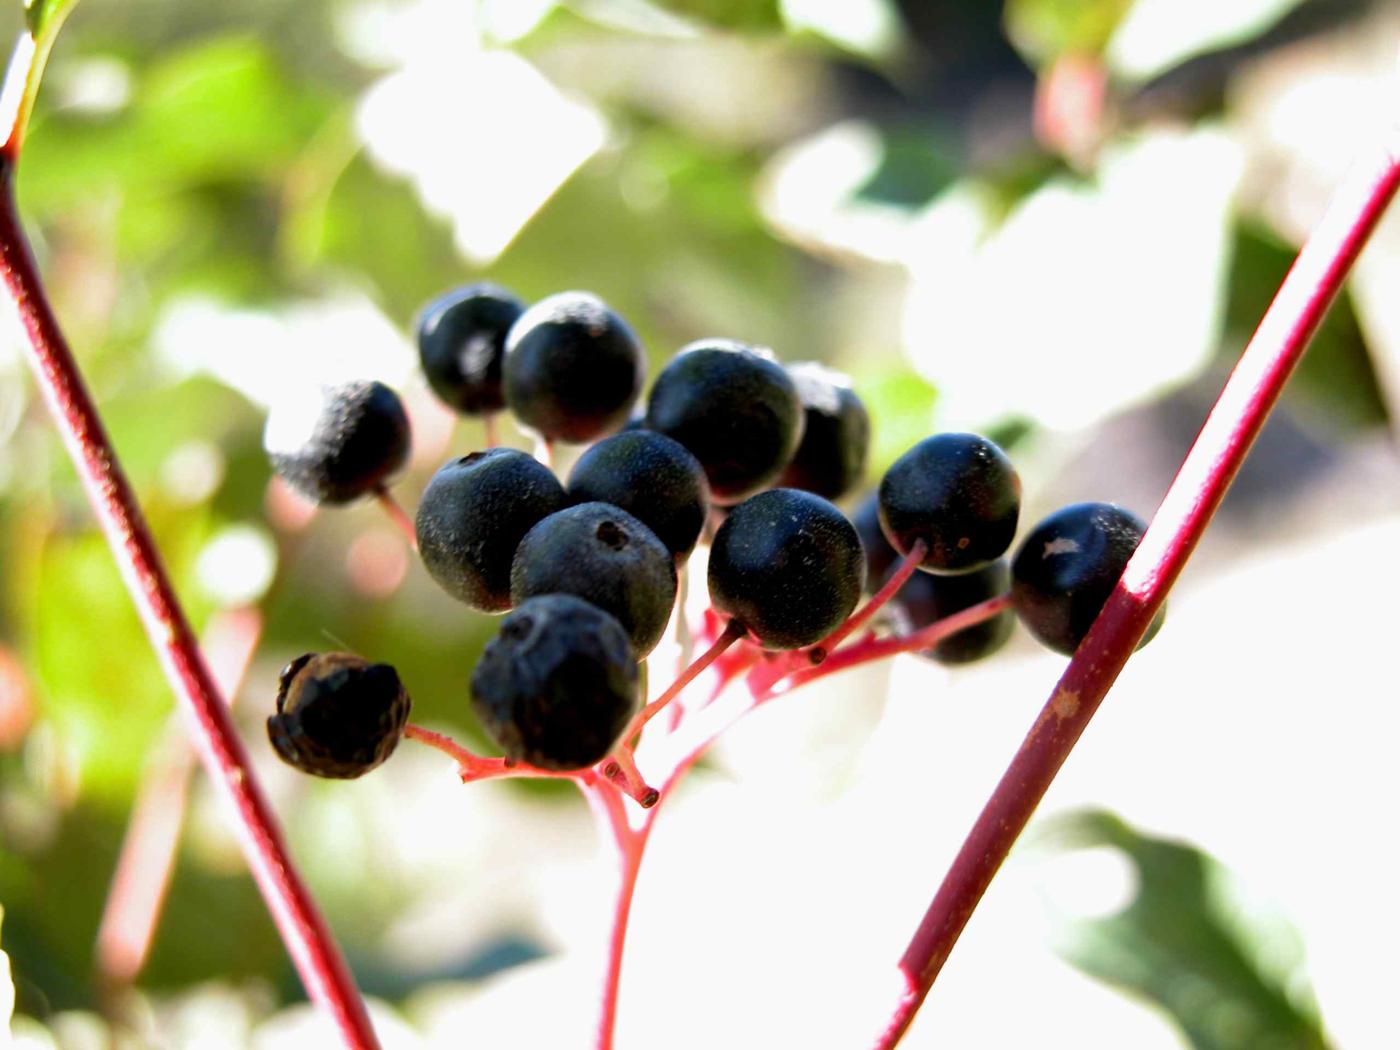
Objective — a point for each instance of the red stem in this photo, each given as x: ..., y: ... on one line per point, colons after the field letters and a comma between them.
x: 309, y: 941
x: 398, y: 516
x: 147, y: 858
x: 732, y: 632
x: 878, y: 600
x: 472, y: 767
x: 1211, y: 465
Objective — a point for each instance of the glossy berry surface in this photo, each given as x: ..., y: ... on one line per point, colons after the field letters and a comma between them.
x: 956, y: 492
x: 735, y: 408
x: 573, y: 368
x: 337, y: 443
x: 653, y: 478
x: 338, y: 716
x: 605, y: 556
x: 926, y: 598
x: 558, y: 684
x: 1067, y: 567
x: 880, y: 557
x: 788, y: 566
x: 830, y: 460
x: 472, y: 517
x: 462, y: 342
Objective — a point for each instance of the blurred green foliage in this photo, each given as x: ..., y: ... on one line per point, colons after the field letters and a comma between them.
x: 217, y: 152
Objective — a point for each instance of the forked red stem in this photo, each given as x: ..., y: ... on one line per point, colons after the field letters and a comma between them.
x: 1186, y: 510
x: 732, y: 632
x: 819, y: 652
x: 309, y: 941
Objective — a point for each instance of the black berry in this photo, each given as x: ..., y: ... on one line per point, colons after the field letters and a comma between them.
x: 605, y: 556
x: 473, y: 515
x: 558, y: 685
x: 735, y: 408
x: 830, y: 461
x: 653, y: 478
x: 956, y: 492
x: 338, y: 443
x: 925, y: 598
x: 880, y: 557
x: 461, y: 342
x: 1067, y: 567
x: 788, y: 566
x: 573, y: 368
x: 338, y: 716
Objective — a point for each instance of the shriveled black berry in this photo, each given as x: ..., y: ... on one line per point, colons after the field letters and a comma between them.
x: 653, y: 478
x: 472, y: 517
x: 830, y: 461
x: 461, y: 343
x: 925, y: 598
x: 558, y: 685
x: 573, y: 368
x: 601, y: 554
x: 338, y: 443
x: 1067, y: 567
x: 880, y: 557
x: 735, y: 408
x: 338, y: 716
x: 788, y: 566
x: 956, y: 492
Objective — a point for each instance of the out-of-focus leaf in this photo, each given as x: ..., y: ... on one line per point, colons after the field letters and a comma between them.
x: 1336, y: 377
x: 749, y: 15
x: 900, y: 402
x: 7, y: 987
x: 1156, y: 35
x: 1042, y: 30
x: 1229, y: 979
x: 869, y: 28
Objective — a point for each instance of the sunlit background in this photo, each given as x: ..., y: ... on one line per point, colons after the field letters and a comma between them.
x: 1055, y: 221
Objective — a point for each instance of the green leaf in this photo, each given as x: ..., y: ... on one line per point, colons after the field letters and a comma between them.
x: 43, y: 17
x: 747, y: 15
x: 7, y: 988
x: 1229, y: 976
x: 1043, y: 30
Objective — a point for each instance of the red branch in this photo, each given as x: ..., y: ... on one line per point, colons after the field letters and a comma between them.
x: 1186, y: 510
x: 308, y: 939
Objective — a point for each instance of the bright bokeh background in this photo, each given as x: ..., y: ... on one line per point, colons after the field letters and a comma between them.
x: 232, y: 200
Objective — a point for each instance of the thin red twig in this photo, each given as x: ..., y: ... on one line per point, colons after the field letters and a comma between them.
x: 472, y: 767
x: 309, y: 941
x: 819, y: 652
x: 1210, y: 466
x: 732, y: 632
x: 147, y: 858
x: 398, y: 516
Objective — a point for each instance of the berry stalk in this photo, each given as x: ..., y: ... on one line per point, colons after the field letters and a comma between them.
x: 309, y: 941
x: 878, y: 600
x: 400, y: 517
x: 1186, y: 510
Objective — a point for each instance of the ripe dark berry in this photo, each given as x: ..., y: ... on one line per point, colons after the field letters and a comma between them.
x: 573, y: 368
x: 788, y: 566
x: 880, y: 557
x: 461, y: 342
x: 652, y: 478
x: 956, y: 492
x: 558, y: 685
x: 830, y: 461
x: 605, y: 556
x: 1068, y: 566
x: 473, y: 515
x: 735, y: 408
x: 925, y: 598
x: 338, y: 716
x: 338, y: 443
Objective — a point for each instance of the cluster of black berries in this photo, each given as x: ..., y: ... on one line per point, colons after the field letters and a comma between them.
x: 588, y: 570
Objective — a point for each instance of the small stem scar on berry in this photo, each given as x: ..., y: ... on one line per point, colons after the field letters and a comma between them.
x: 309, y: 941
x: 819, y: 652
x: 1239, y: 414
x: 397, y: 515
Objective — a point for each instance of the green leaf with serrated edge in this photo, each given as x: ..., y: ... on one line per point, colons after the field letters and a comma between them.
x: 1043, y: 30
x: 1186, y: 942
